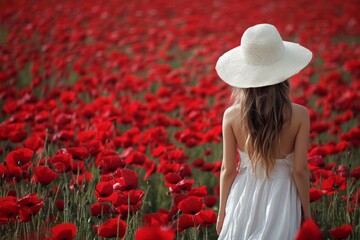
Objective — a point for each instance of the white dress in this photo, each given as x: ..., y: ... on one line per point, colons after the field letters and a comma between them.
x: 260, y: 208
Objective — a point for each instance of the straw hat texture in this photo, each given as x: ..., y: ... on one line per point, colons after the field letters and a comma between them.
x: 262, y: 59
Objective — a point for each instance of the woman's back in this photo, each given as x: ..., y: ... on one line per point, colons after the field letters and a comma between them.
x: 259, y: 206
x: 287, y: 135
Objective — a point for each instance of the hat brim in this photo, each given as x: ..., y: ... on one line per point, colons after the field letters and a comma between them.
x: 232, y: 68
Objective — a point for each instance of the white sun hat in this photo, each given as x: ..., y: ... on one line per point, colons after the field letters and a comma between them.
x: 262, y: 59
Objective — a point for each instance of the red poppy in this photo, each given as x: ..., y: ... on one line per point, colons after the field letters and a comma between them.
x: 44, y: 175
x: 341, y: 232
x: 165, y: 167
x: 62, y: 160
x: 136, y: 158
x: 342, y: 146
x: 206, y: 217
x: 207, y: 167
x: 172, y: 178
x: 2, y: 171
x: 154, y: 233
x: 184, y: 184
x: 64, y: 231
x: 309, y: 230
x: 355, y: 198
x: 185, y: 221
x: 200, y: 191
x: 100, y: 208
x: 29, y: 206
x: 113, y: 227
x: 191, y: 205
x: 315, y: 194
x: 355, y: 173
x: 20, y: 158
x: 104, y: 191
x: 8, y: 209
x: 156, y: 219
x: 210, y: 201
x: 34, y: 143
x: 185, y: 170
x: 315, y: 162
x: 126, y: 179
x: 77, y: 167
x: 332, y: 184
x: 67, y: 96
x: 131, y: 197
x: 150, y: 167
x: 78, y: 153
x: 198, y: 162
x: 59, y: 203
x: 111, y: 163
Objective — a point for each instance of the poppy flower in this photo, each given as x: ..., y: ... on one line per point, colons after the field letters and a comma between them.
x: 172, y: 178
x: 104, y: 191
x: 210, y: 201
x: 185, y: 221
x: 100, y: 208
x: 164, y: 167
x: 206, y: 217
x: 316, y: 162
x: 150, y: 167
x: 78, y: 153
x: 111, y: 163
x: 126, y: 179
x: 341, y: 232
x: 315, y: 194
x: 156, y: 219
x: 309, y: 230
x: 2, y: 171
x: 59, y: 203
x: 185, y: 170
x: 113, y: 227
x: 191, y: 205
x: 200, y: 191
x: 332, y: 184
x: 103, y: 156
x: 44, y: 175
x: 20, y: 158
x: 62, y: 160
x: 136, y: 158
x: 34, y: 143
x: 8, y: 209
x: 154, y: 233
x: 355, y: 173
x: 198, y: 162
x: 131, y: 197
x: 355, y: 198
x: 64, y: 231
x: 184, y: 184
x: 29, y: 206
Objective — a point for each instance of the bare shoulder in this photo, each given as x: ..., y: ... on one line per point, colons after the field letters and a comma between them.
x: 231, y: 112
x: 300, y: 113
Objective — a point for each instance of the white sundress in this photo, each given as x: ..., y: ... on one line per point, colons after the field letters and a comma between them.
x: 260, y: 208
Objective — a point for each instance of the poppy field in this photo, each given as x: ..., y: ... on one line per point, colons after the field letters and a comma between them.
x: 111, y: 114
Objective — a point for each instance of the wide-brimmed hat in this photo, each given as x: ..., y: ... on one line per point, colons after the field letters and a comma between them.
x: 262, y: 59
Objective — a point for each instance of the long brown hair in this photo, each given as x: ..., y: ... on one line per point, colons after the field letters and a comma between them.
x: 263, y: 112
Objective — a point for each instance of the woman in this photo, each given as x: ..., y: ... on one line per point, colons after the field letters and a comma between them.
x: 266, y: 194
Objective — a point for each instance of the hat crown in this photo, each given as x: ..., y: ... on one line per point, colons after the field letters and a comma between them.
x: 262, y: 45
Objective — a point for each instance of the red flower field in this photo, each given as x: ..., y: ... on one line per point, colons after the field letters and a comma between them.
x: 111, y: 114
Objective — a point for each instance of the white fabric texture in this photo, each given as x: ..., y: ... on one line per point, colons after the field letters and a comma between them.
x: 260, y: 208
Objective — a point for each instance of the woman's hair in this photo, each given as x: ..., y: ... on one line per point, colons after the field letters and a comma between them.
x: 263, y: 112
